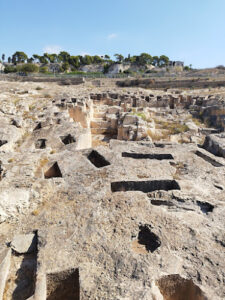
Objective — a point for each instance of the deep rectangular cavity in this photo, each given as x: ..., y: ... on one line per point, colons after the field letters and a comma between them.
x: 147, y: 155
x: 97, y: 159
x: 53, y: 171
x: 63, y: 285
x: 22, y: 273
x: 144, y: 186
x: 159, y: 202
x: 3, y: 142
x: 208, y: 159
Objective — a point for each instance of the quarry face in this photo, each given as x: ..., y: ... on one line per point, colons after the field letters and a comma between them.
x: 111, y: 193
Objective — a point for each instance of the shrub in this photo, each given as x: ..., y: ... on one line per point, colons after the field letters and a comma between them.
x: 28, y: 68
x: 106, y: 68
x: 128, y: 71
x: 10, y: 69
x: 65, y: 66
x: 220, y: 67
x: 186, y: 68
x: 43, y: 70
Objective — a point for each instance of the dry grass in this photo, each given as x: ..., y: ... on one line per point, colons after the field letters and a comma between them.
x: 172, y: 127
x: 96, y: 143
x: 16, y: 101
x: 32, y: 106
x: 35, y: 212
x: 22, y: 139
x: 27, y: 115
x: 179, y: 168
x: 183, y: 141
x: 197, y: 122
x: 43, y: 162
x: 47, y: 96
x: 156, y: 136
x: 141, y: 176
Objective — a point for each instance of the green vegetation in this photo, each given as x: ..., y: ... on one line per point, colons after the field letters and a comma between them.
x: 77, y: 61
x: 65, y: 66
x: 25, y: 68
x: 10, y: 69
x: 43, y: 70
x: 19, y: 57
x: 140, y: 115
x: 67, y: 62
x: 28, y: 68
x: 171, y: 127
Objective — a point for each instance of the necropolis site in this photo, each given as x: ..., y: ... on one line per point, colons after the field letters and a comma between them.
x: 112, y: 189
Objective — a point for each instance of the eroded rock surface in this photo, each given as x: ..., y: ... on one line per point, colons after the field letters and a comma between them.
x: 114, y: 187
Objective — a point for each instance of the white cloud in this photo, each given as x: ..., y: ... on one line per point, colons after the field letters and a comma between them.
x: 52, y: 49
x: 112, y: 36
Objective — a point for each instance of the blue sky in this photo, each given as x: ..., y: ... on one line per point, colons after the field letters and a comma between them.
x: 192, y: 31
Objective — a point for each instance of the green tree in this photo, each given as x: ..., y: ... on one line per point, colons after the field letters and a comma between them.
x: 74, y: 61
x: 3, y: 57
x: 63, y: 56
x: 145, y: 59
x: 9, y: 60
x: 19, y: 57
x: 47, y: 57
x: 65, y: 66
x: 127, y: 59
x: 30, y: 60
x: 133, y: 59
x: 119, y: 58
x: 106, y: 57
x: 36, y: 57
x: 97, y: 59
x: 163, y: 61
x: 155, y: 61
x: 52, y: 58
x: 43, y: 60
x: 88, y: 60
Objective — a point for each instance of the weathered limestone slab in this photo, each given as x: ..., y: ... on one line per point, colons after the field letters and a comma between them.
x: 5, y: 258
x: 24, y: 243
x: 215, y: 143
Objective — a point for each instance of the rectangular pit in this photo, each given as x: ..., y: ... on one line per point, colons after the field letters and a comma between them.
x: 97, y: 159
x: 144, y: 186
x: 147, y: 155
x: 208, y: 159
x: 53, y: 171
x: 63, y: 285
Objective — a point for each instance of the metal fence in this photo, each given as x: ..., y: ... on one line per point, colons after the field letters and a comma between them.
x: 64, y: 76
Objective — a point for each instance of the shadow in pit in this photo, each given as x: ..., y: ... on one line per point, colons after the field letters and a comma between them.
x: 148, y: 238
x: 97, y: 159
x: 63, y: 285
x: 144, y: 186
x: 175, y: 287
x: 26, y: 274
